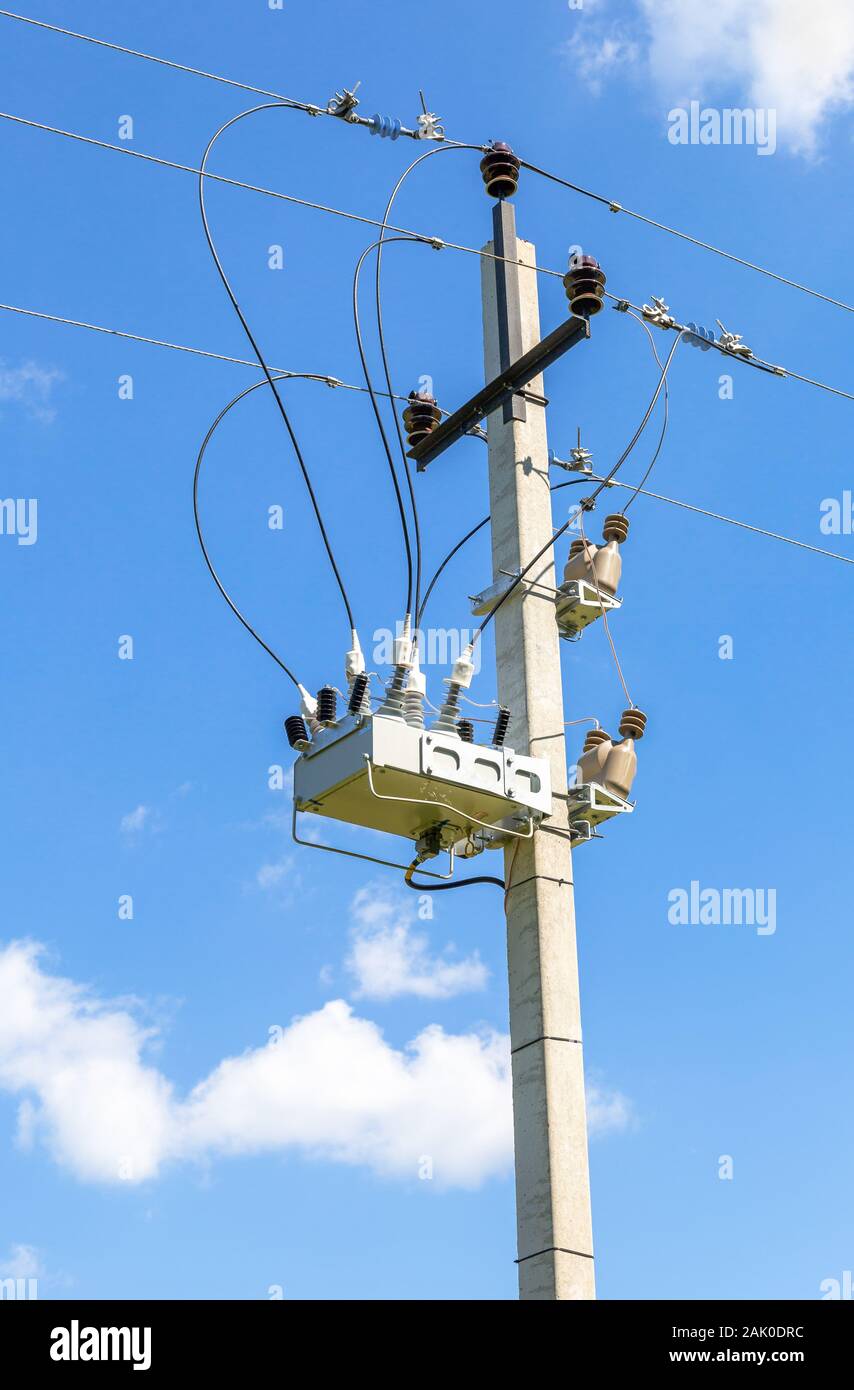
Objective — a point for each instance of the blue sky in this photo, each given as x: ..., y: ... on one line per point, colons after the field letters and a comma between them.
x: 150, y: 777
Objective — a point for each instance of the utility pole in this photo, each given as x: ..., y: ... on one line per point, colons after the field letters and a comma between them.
x: 555, y: 1245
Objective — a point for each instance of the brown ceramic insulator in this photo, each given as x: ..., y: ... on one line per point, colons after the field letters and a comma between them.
x: 500, y: 170
x: 420, y: 417
x: 577, y: 547
x: 465, y: 729
x: 633, y: 723
x: 595, y: 737
x: 616, y: 527
x: 584, y: 283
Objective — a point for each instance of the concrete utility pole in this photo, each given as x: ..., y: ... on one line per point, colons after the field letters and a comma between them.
x: 555, y: 1243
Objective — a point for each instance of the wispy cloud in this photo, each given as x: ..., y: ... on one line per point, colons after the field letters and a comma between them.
x: 608, y: 1111
x: 330, y: 1086
x: 772, y: 54
x: 390, y: 957
x: 135, y: 821
x: 21, y: 1262
x: 274, y: 875
x: 30, y: 386
x: 597, y: 53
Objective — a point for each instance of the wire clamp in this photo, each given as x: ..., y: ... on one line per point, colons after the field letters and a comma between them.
x: 731, y: 342
x: 428, y: 123
x: 344, y: 103
x: 658, y: 313
x: 615, y: 207
x: 580, y: 459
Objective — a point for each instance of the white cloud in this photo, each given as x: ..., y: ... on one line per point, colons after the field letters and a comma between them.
x: 330, y: 1086
x: 608, y: 1112
x: 271, y: 875
x: 389, y: 957
x: 30, y: 386
x: 97, y: 1102
x: 774, y: 54
x: 334, y: 1087
x: 135, y: 821
x: 22, y: 1262
x: 595, y: 54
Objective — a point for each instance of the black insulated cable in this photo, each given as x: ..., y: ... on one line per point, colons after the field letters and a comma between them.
x: 268, y: 106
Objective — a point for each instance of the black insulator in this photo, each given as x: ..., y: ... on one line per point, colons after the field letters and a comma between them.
x: 357, y: 693
x: 327, y: 705
x: 584, y: 283
x: 499, y: 733
x: 420, y: 417
x: 500, y: 169
x: 296, y: 731
x: 465, y: 729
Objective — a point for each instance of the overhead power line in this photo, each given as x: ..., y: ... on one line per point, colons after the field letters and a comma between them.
x: 659, y: 497
x: 437, y: 242
x: 666, y: 322
x: 191, y: 169
x: 716, y: 516
x: 163, y: 62
x: 282, y: 372
x: 614, y: 206
x: 611, y: 203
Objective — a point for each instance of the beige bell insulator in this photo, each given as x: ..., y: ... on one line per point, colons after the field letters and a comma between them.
x: 582, y: 554
x: 621, y: 764
x: 597, y: 747
x: 608, y: 563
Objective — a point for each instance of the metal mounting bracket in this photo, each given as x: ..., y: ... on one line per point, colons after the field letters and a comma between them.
x: 518, y: 368
x: 485, y: 601
x: 444, y: 806
x: 507, y: 385
x: 369, y: 858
